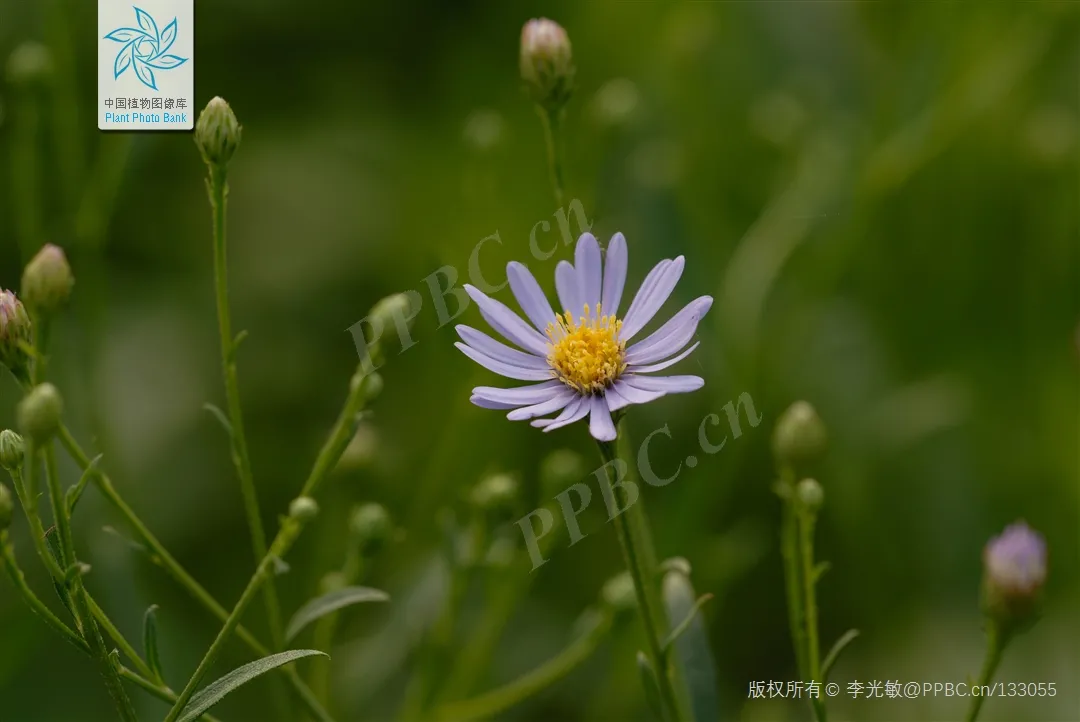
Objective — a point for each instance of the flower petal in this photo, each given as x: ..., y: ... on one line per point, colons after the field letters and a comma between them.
x: 502, y: 368
x: 501, y: 352
x: 666, y: 384
x: 529, y: 295
x: 672, y: 336
x: 520, y: 396
x: 600, y: 425
x: 566, y: 285
x: 577, y: 409
x: 653, y: 368
x: 507, y: 323
x: 588, y: 265
x: 555, y: 403
x: 631, y: 395
x: 648, y: 301
x: 615, y: 264
x: 485, y: 404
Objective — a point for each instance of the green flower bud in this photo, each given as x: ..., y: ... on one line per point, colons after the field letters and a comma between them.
x: 29, y: 64
x: 39, y: 413
x: 373, y: 386
x: 800, y: 436
x: 14, y: 333
x: 7, y: 508
x: 496, y: 494
x: 386, y: 312
x: 217, y: 133
x: 332, y: 582
x: 361, y: 450
x: 810, y: 495
x: 547, y: 63
x: 47, y: 280
x: 12, y: 450
x: 303, y: 509
x: 618, y: 592
x: 371, y: 527
x: 560, y: 469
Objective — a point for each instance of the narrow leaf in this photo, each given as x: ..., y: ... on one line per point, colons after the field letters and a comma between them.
x: 651, y: 686
x: 331, y: 602
x: 692, y: 652
x: 685, y: 623
x: 150, y: 642
x: 61, y: 590
x: 214, y: 692
x: 220, y: 416
x: 834, y: 653
x: 133, y: 545
x: 75, y: 493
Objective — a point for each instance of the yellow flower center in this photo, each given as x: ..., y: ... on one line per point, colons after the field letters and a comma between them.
x: 586, y: 353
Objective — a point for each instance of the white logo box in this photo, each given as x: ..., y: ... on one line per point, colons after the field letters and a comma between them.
x: 146, y: 65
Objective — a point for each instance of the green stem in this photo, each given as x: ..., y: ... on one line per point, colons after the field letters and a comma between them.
x: 340, y: 435
x: 161, y: 556
x: 78, y: 592
x: 805, y: 520
x: 995, y: 647
x: 28, y: 495
x: 499, y: 700
x: 552, y: 122
x: 219, y: 192
x: 284, y: 540
x: 789, y: 544
x: 163, y: 693
x: 7, y: 554
x: 121, y: 642
x: 642, y: 578
x: 326, y: 628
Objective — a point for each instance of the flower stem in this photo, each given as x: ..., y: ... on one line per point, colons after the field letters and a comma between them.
x: 806, y: 520
x: 498, y: 700
x: 789, y: 546
x: 218, y: 187
x: 644, y: 587
x: 552, y: 122
x: 290, y: 530
x: 161, y: 556
x: 995, y: 647
x: 78, y: 591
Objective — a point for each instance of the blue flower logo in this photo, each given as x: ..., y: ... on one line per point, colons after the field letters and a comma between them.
x: 145, y: 49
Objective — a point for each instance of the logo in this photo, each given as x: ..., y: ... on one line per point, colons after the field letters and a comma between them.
x: 145, y: 49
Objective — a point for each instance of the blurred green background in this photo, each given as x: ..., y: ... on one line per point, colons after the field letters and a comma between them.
x: 882, y: 197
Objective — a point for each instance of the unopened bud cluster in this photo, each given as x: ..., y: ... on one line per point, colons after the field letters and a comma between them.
x: 547, y: 65
x: 47, y: 280
x: 12, y: 450
x: 14, y: 333
x: 217, y: 133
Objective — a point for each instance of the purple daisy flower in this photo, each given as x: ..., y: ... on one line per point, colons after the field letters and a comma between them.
x: 580, y: 357
x: 1015, y: 561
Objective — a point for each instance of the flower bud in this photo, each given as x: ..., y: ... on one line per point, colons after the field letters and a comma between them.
x: 39, y: 413
x: 810, y: 495
x: 303, y: 509
x: 1014, y: 571
x: 800, y: 436
x: 496, y: 495
x: 29, y: 64
x: 560, y: 469
x: 7, y: 508
x: 361, y: 450
x: 547, y: 63
x: 386, y: 312
x: 14, y: 333
x: 47, y: 280
x: 217, y: 133
x: 12, y: 450
x: 618, y: 592
x: 373, y: 386
x: 370, y: 526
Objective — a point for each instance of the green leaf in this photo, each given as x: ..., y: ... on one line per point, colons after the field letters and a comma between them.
x: 75, y: 493
x: 53, y: 542
x: 691, y: 648
x: 685, y: 623
x: 331, y: 602
x: 220, y: 416
x: 651, y: 686
x: 834, y: 653
x: 150, y: 642
x: 214, y: 692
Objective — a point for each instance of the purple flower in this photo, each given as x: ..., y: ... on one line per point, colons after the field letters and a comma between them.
x: 1015, y: 562
x: 580, y: 357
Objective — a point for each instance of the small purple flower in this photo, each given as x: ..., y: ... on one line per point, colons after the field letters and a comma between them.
x: 1015, y: 561
x: 580, y: 357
